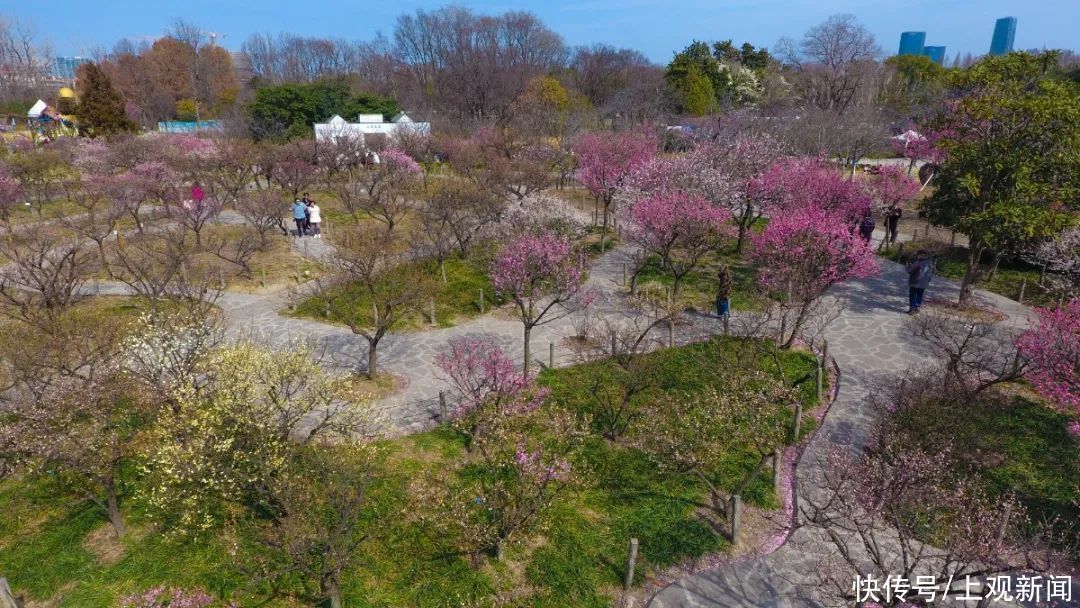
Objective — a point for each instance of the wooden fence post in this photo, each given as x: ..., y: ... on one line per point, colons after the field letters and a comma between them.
x: 432, y: 311
x: 1023, y: 288
x: 727, y: 325
x: 797, y: 427
x: 736, y: 516
x: 481, y: 300
x: 631, y: 563
x: 551, y: 354
x: 442, y: 406
x: 777, y: 463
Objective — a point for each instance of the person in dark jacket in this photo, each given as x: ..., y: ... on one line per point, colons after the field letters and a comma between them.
x: 919, y: 273
x: 892, y: 223
x: 866, y: 227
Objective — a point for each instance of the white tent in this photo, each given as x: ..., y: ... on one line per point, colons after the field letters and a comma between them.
x: 37, y: 109
x: 909, y: 136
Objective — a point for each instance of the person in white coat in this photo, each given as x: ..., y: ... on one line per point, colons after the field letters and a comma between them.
x: 315, y: 219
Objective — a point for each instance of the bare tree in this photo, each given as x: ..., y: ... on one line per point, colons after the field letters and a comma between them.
x: 162, y: 271
x: 373, y: 261
x: 25, y: 61
x: 834, y: 60
x: 263, y: 211
x: 977, y: 353
x: 44, y: 275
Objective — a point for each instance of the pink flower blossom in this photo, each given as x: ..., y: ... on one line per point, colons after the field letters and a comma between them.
x: 605, y: 160
x: 484, y: 376
x: 396, y: 160
x: 890, y: 187
x: 807, y: 250
x: 536, y: 265
x: 798, y: 183
x: 1052, y: 348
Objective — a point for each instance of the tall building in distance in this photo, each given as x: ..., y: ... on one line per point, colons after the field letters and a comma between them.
x: 1004, y: 35
x: 64, y: 67
x: 912, y: 43
x: 935, y: 53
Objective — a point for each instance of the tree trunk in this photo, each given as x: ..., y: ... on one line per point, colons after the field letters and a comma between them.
x: 373, y: 358
x: 113, y: 508
x: 971, y: 274
x: 994, y: 268
x: 744, y: 229
x: 603, y: 230
x: 528, y: 336
x: 332, y: 590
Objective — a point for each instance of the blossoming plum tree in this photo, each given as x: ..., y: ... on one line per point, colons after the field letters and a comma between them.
x: 540, y: 273
x: 679, y: 228
x: 1052, y: 348
x: 800, y: 255
x: 606, y: 160
x: 489, y: 387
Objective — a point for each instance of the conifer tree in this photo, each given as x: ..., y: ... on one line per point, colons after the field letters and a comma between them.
x: 101, y: 108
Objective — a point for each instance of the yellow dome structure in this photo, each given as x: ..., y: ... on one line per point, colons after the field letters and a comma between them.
x: 66, y: 93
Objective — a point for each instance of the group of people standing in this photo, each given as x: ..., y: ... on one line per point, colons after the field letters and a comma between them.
x: 308, y: 217
x: 892, y: 225
x: 919, y: 271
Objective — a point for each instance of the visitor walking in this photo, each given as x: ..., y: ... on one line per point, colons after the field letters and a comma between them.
x: 866, y: 227
x: 919, y: 273
x: 723, y: 292
x: 299, y: 213
x: 892, y: 223
x: 314, y: 219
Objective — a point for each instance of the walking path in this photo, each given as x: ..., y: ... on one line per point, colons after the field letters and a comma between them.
x: 871, y: 338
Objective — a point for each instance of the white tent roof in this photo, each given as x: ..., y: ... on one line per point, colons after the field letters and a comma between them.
x: 37, y: 109
x: 908, y: 136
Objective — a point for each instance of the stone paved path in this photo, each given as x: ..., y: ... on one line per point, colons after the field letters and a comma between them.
x: 410, y: 356
x: 872, y: 337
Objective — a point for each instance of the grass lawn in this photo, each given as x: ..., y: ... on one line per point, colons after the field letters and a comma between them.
x: 52, y: 546
x: 456, y: 300
x: 1016, y: 445
x: 698, y: 289
x: 951, y: 261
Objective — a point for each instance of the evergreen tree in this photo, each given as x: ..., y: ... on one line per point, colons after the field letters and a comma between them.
x: 101, y: 108
x: 696, y: 92
x: 1011, y: 143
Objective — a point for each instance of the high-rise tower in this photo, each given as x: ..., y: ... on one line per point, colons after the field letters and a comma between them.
x: 1004, y: 34
x: 912, y: 43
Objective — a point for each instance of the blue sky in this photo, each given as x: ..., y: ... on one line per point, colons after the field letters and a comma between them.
x: 657, y: 28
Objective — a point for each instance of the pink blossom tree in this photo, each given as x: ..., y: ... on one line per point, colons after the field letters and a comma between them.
x: 890, y: 187
x: 606, y: 160
x: 801, y: 254
x: 1052, y: 348
x: 799, y: 183
x: 193, y: 209
x: 679, y: 228
x: 916, y: 146
x: 745, y: 158
x: 488, y: 385
x: 540, y: 273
